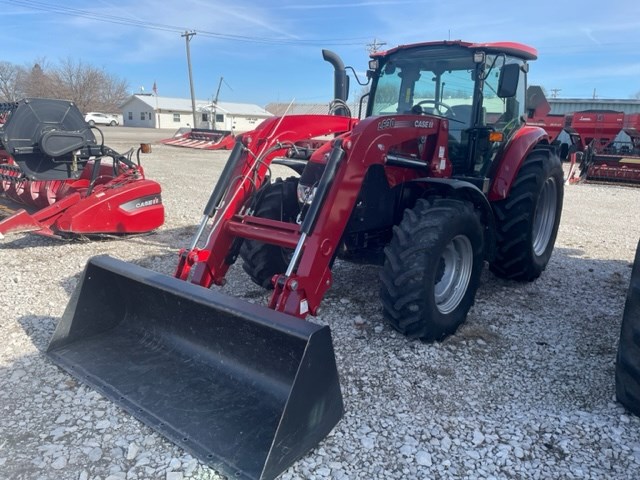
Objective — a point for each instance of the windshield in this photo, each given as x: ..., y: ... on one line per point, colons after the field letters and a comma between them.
x: 432, y: 81
x: 441, y: 81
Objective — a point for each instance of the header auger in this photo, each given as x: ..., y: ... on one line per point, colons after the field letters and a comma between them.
x: 441, y: 176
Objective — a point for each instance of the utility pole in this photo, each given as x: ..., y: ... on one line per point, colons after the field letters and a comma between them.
x: 555, y: 92
x: 373, y: 46
x: 187, y: 36
x: 215, y: 103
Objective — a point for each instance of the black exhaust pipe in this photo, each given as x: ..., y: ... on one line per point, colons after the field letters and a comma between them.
x: 340, y: 79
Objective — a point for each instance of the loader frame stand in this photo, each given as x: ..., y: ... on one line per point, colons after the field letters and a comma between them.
x: 246, y: 390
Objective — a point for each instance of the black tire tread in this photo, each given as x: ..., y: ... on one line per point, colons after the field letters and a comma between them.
x: 514, y: 216
x: 628, y: 357
x: 402, y: 277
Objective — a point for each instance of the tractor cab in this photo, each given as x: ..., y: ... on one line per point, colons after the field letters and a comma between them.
x: 479, y: 88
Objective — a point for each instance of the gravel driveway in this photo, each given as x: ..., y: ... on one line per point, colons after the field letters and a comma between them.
x: 525, y: 389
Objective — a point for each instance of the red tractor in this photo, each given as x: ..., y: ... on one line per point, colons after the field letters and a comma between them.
x: 441, y: 176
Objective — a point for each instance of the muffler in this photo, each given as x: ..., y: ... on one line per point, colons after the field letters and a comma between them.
x: 245, y: 389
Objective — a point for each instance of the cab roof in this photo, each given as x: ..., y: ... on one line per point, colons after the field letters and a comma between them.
x: 515, y: 49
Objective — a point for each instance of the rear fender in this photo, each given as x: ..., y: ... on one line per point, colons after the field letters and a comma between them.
x: 508, y: 164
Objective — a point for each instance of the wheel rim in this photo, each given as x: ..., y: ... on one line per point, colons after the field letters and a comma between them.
x: 545, y: 217
x: 456, y: 265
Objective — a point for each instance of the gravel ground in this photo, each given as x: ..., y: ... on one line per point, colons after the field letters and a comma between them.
x: 525, y: 389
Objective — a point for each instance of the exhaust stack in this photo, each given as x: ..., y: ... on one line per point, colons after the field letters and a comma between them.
x: 340, y: 79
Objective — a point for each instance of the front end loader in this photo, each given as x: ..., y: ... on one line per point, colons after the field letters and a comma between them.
x: 442, y: 175
x: 58, y: 180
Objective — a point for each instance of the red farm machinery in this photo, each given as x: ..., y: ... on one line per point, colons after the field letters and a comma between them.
x: 600, y: 152
x: 54, y: 180
x: 538, y: 114
x: 441, y: 176
x: 201, y: 138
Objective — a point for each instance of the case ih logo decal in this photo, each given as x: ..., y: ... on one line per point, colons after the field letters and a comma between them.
x: 423, y: 124
x: 142, y: 202
x: 392, y: 123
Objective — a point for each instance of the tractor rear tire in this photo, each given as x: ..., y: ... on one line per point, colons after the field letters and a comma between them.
x: 262, y: 261
x: 527, y: 220
x: 432, y: 268
x: 628, y: 358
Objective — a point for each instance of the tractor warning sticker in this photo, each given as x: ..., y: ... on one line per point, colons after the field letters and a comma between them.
x: 141, y: 202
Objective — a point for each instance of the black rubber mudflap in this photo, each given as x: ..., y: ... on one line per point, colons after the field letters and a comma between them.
x: 628, y: 359
x: 245, y: 389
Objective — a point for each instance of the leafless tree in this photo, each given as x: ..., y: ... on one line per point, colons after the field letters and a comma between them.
x: 113, y: 93
x: 77, y: 82
x: 38, y: 82
x: 637, y: 95
x: 11, y: 77
x: 89, y: 87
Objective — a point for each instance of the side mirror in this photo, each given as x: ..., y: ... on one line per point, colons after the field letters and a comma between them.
x: 508, y: 81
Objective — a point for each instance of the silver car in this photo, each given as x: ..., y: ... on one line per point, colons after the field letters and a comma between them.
x: 95, y: 118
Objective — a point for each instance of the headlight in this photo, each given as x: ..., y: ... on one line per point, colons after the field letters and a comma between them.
x: 309, y: 180
x: 306, y: 194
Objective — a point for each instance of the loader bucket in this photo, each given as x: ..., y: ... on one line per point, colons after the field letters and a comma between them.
x: 245, y: 389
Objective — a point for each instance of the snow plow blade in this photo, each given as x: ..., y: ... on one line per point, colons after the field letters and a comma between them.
x: 245, y: 389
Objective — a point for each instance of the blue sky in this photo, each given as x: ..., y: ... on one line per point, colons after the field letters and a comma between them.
x: 271, y: 51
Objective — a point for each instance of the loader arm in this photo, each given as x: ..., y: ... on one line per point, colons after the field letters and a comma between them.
x: 370, y: 142
x: 208, y: 265
x: 374, y: 141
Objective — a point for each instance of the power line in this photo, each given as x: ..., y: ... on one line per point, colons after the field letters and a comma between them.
x: 101, y: 17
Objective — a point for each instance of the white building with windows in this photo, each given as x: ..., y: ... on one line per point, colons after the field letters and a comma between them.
x: 151, y: 111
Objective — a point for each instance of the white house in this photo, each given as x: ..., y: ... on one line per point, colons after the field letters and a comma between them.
x: 151, y: 111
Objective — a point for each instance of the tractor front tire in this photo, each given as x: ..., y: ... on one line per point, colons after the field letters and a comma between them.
x: 262, y: 261
x: 628, y: 358
x: 432, y: 268
x: 527, y: 220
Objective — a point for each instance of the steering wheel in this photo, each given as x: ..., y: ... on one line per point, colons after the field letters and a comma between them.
x: 436, y: 105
